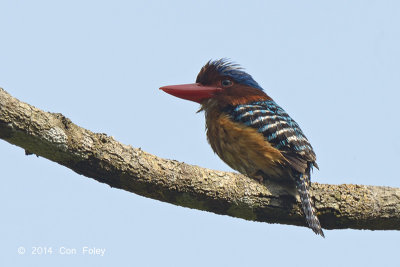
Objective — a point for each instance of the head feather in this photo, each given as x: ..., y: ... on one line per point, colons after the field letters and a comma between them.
x: 225, y: 67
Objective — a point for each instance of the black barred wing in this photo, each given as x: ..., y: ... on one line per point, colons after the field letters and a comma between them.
x: 279, y: 129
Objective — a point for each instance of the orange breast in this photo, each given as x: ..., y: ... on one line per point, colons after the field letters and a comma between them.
x: 243, y: 148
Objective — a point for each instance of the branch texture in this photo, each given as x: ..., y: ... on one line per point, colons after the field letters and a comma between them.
x: 98, y: 156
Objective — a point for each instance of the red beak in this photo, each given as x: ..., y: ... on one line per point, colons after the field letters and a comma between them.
x: 193, y: 91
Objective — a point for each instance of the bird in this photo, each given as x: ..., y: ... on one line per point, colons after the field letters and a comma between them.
x: 250, y: 132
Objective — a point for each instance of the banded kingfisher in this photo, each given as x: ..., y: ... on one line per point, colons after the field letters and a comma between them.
x: 250, y: 132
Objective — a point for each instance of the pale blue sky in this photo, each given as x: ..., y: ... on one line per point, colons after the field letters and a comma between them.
x: 334, y: 67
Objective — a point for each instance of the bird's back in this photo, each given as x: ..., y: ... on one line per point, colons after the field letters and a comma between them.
x: 268, y: 130
x: 259, y: 139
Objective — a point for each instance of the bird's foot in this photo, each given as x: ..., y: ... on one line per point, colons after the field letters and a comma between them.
x: 259, y: 178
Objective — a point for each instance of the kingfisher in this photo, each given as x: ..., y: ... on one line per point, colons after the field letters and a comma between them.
x: 250, y: 132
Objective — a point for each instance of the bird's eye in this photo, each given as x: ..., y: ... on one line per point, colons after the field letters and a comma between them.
x: 226, y: 83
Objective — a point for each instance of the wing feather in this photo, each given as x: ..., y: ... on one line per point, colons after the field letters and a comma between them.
x: 278, y: 128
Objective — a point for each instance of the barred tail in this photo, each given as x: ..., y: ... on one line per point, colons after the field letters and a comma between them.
x: 302, y: 185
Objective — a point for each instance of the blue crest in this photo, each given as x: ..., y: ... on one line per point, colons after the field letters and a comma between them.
x: 228, y: 68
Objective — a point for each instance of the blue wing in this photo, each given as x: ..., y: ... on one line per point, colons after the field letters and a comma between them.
x: 279, y: 129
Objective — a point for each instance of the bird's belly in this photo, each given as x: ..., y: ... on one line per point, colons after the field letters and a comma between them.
x: 245, y: 150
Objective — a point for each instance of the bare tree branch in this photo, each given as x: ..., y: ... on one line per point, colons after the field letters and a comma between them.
x: 98, y: 156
